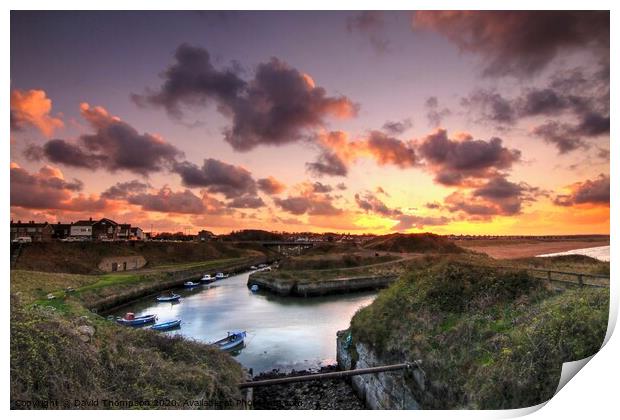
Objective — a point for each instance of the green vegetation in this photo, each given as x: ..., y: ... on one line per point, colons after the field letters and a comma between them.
x: 334, y: 261
x: 57, y: 357
x: 84, y: 257
x: 487, y: 338
x: 414, y: 242
x: 52, y: 358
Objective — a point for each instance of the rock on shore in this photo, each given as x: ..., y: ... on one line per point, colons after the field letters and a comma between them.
x: 333, y: 394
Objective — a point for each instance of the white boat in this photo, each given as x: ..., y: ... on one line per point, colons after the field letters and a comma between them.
x: 233, y: 339
x: 253, y: 267
x: 190, y: 284
x: 220, y: 276
x: 207, y: 278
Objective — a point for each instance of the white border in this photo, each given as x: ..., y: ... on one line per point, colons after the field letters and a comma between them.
x: 592, y: 394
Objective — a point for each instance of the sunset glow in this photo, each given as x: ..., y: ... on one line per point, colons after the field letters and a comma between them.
x: 360, y: 122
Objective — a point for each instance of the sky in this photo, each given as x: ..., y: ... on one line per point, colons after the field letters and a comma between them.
x: 452, y: 122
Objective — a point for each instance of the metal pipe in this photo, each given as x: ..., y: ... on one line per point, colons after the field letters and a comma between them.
x: 324, y: 376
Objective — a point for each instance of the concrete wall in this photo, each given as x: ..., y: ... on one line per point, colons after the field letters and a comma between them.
x: 112, y: 264
x: 379, y: 391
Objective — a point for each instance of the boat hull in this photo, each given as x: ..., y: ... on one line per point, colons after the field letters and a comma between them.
x: 172, y: 298
x: 166, y: 326
x: 231, y: 342
x: 137, y: 322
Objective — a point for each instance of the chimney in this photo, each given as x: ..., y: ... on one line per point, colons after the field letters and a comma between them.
x: 90, y: 219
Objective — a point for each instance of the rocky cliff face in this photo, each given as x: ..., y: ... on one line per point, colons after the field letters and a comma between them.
x: 379, y: 391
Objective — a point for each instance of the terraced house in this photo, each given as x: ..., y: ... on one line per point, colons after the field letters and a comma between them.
x: 37, y: 232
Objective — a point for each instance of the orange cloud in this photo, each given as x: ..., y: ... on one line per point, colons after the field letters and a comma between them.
x: 32, y: 108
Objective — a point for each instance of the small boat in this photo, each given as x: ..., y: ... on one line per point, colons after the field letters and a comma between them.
x: 190, y: 284
x: 220, y: 276
x: 167, y: 325
x: 172, y: 298
x: 207, y: 278
x: 262, y: 265
x: 234, y: 339
x: 253, y: 267
x: 132, y: 321
x: 254, y: 288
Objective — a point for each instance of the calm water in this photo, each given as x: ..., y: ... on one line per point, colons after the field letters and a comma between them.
x: 283, y: 333
x: 598, y: 252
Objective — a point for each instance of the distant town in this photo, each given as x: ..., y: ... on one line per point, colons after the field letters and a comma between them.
x: 108, y: 230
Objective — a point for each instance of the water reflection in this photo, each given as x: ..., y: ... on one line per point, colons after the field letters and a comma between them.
x: 282, y: 333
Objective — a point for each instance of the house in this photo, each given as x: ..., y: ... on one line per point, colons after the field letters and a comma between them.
x: 82, y: 230
x: 204, y: 236
x: 105, y: 229
x: 136, y: 234
x: 37, y: 232
x: 124, y: 231
x: 61, y: 230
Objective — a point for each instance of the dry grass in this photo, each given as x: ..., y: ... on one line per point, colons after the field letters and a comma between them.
x: 486, y: 338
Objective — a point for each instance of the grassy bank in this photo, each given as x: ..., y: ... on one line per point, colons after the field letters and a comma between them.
x: 107, y: 290
x: 485, y: 338
x: 56, y: 356
x: 83, y: 257
x: 60, y: 350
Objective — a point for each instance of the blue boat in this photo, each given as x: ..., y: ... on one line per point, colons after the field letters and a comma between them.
x: 167, y: 325
x: 172, y: 298
x: 254, y: 288
x: 129, y: 320
x: 234, y: 339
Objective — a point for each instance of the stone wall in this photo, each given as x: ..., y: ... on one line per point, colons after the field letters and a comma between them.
x: 112, y: 264
x: 379, y: 391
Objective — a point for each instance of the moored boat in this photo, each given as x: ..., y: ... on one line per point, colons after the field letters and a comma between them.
x: 133, y: 321
x: 171, y: 298
x: 220, y: 276
x: 254, y: 288
x: 190, y: 284
x: 207, y: 278
x: 167, y: 325
x: 234, y: 339
x: 253, y: 267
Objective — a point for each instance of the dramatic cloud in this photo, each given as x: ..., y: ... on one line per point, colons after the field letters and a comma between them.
x: 115, y: 145
x: 167, y: 201
x: 313, y: 205
x: 328, y: 163
x: 123, y: 190
x: 338, y: 152
x: 321, y: 188
x: 217, y: 177
x: 563, y: 136
x: 33, y: 108
x: 371, y: 204
x: 371, y: 24
x: 408, y: 221
x: 270, y: 185
x: 497, y: 196
x: 596, y: 192
x: 193, y: 81
x: 455, y: 161
x: 490, y: 106
x: 246, y: 202
x: 47, y: 189
x: 395, y: 128
x: 520, y: 43
x: 568, y: 96
x: 434, y: 113
x: 276, y: 107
